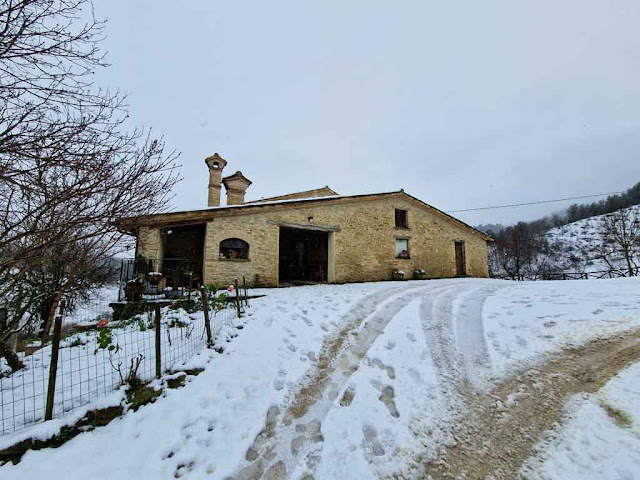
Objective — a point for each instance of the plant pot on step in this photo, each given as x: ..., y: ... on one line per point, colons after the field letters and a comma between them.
x: 133, y: 291
x: 398, y: 275
x: 420, y: 275
x: 154, y: 278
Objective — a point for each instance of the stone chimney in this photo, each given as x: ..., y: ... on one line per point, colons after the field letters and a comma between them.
x: 236, y: 185
x: 215, y: 163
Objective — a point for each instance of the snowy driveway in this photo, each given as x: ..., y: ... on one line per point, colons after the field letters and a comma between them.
x: 345, y: 381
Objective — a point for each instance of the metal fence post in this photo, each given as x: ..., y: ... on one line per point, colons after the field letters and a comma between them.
x: 205, y: 309
x: 237, y: 299
x: 158, y: 333
x: 53, y: 366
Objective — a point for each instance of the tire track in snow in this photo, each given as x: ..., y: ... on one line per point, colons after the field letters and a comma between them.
x: 500, y: 429
x: 452, y: 320
x: 469, y: 332
x: 292, y: 441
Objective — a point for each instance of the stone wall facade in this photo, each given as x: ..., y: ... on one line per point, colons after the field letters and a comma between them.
x: 149, y: 244
x: 363, y: 240
x: 364, y: 246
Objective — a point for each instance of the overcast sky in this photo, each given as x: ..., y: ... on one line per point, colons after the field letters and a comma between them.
x: 461, y: 103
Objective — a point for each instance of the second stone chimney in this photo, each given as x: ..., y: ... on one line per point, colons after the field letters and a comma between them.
x: 236, y: 186
x: 215, y: 163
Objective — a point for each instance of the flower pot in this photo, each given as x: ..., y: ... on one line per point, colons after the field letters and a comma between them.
x: 133, y: 291
x: 420, y: 275
x: 154, y: 278
x: 398, y: 275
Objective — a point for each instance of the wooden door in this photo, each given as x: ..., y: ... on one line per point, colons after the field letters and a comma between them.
x: 461, y: 271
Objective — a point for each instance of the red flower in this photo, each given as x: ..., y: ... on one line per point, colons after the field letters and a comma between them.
x: 103, y: 322
x: 230, y: 289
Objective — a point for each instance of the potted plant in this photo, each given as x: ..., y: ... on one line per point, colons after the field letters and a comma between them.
x: 154, y: 278
x: 420, y: 274
x: 134, y: 289
x: 398, y: 275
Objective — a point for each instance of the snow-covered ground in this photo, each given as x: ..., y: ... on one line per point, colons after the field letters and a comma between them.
x: 346, y: 381
x: 600, y: 438
x: 529, y: 319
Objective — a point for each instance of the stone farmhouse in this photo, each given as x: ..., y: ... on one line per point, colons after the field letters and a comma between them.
x: 305, y: 237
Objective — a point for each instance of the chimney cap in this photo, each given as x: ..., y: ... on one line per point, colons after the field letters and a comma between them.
x: 215, y: 161
x: 237, y: 180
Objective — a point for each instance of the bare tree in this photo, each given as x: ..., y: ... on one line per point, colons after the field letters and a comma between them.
x: 68, y: 164
x: 619, y: 244
x: 520, y: 252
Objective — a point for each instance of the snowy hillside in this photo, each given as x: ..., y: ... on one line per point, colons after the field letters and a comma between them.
x: 577, y: 243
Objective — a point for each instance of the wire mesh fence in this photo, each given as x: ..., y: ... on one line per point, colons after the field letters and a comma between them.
x: 96, y: 354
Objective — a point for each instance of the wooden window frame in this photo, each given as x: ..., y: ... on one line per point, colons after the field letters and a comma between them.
x: 408, y: 250
x: 405, y: 213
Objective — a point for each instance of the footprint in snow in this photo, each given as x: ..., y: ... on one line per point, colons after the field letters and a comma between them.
x: 388, y: 398
x: 413, y: 373
x: 371, y: 440
x: 347, y: 396
x: 411, y: 337
x: 289, y: 345
x: 390, y: 345
x: 391, y: 373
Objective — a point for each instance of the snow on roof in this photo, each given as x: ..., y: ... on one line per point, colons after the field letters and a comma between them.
x: 274, y: 202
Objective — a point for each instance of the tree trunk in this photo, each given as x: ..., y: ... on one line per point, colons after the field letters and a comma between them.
x: 11, y: 357
x: 627, y: 256
x: 54, y: 307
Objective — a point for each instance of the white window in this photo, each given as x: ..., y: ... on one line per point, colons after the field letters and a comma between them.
x: 402, y: 248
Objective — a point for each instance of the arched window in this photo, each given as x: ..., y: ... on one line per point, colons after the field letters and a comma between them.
x: 234, y: 249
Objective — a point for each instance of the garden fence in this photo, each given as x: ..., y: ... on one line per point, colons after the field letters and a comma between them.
x: 568, y: 275
x: 86, y: 372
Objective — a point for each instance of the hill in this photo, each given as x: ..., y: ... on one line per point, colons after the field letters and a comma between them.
x: 577, y: 245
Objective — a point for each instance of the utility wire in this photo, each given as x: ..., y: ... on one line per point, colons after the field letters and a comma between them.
x: 533, y: 203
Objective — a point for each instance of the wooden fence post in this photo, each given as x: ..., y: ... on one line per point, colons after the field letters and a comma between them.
x: 205, y: 309
x: 158, y: 336
x: 53, y: 366
x: 237, y: 299
x: 246, y: 294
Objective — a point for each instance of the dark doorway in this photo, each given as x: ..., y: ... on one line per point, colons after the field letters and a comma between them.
x: 461, y: 270
x: 303, y: 255
x: 183, y: 254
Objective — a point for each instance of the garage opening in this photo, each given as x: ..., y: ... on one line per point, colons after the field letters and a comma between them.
x: 304, y: 256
